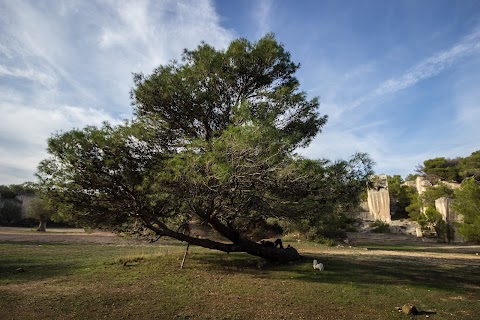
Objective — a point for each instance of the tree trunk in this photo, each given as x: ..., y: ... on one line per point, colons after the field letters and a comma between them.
x: 239, y: 244
x: 272, y: 254
x: 268, y: 253
x: 42, y: 226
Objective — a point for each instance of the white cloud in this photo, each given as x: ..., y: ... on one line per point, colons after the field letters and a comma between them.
x: 69, y: 64
x: 41, y: 47
x: 31, y: 32
x: 158, y: 31
x: 35, y: 125
x: 336, y: 143
x: 132, y: 24
x: 45, y: 79
x: 138, y: 37
x: 25, y: 130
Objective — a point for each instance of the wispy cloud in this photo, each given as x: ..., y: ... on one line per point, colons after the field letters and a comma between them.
x: 69, y: 64
x: 262, y: 16
x: 40, y: 48
x: 140, y: 36
x: 25, y: 130
x: 396, y: 147
x: 156, y: 31
x: 427, y: 68
x: 45, y: 79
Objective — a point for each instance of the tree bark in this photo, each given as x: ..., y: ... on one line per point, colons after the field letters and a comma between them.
x: 239, y: 244
x: 42, y: 226
x: 272, y: 254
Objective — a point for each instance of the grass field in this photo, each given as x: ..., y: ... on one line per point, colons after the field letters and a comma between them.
x: 128, y: 280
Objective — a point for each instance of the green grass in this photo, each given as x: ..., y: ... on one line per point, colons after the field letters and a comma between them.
x: 80, y: 281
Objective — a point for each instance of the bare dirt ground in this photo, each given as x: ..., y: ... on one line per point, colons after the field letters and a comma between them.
x: 59, y: 235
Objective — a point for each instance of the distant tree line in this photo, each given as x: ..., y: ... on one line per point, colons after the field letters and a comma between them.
x: 22, y: 206
x: 11, y: 203
x: 452, y: 170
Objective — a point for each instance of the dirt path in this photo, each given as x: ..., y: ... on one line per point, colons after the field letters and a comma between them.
x: 58, y: 236
x: 462, y: 255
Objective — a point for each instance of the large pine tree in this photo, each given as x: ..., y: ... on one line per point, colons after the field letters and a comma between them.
x: 213, y: 139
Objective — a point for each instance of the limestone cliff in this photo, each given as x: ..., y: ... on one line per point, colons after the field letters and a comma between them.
x: 379, y: 199
x: 379, y: 204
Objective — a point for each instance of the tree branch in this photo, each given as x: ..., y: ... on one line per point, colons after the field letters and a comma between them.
x: 206, y: 243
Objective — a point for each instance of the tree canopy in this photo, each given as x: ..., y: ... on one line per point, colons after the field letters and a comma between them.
x: 10, y: 211
x: 433, y: 193
x: 39, y: 209
x: 470, y: 166
x: 212, y: 90
x: 400, y: 195
x: 457, y: 169
x: 442, y: 168
x: 467, y: 203
x: 213, y: 138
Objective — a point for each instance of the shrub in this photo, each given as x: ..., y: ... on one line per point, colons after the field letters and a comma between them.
x: 432, y: 220
x: 10, y: 211
x: 467, y: 203
x: 380, y: 226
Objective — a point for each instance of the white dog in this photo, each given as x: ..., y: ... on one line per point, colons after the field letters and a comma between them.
x: 317, y: 265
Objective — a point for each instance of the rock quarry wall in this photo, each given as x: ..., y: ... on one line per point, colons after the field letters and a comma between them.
x: 378, y: 202
x: 379, y: 205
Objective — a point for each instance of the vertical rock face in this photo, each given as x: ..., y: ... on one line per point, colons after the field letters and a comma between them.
x: 453, y: 185
x: 443, y: 206
x: 421, y: 184
x: 379, y: 204
x: 449, y: 216
x: 379, y: 199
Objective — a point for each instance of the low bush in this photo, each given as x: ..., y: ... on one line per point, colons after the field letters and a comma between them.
x: 380, y: 226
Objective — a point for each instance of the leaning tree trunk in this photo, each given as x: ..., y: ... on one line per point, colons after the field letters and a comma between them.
x: 42, y: 226
x: 239, y: 243
x: 280, y: 255
x: 272, y: 254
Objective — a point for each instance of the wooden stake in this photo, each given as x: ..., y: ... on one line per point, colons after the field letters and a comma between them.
x: 185, y: 256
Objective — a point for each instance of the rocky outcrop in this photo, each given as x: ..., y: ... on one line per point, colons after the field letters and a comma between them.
x: 421, y: 184
x: 379, y: 199
x: 379, y: 205
x: 443, y: 205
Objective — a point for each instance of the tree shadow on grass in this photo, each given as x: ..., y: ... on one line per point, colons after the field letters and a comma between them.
x: 433, y: 248
x: 31, y: 269
x: 418, y: 271
x: 358, y: 270
x: 38, y: 261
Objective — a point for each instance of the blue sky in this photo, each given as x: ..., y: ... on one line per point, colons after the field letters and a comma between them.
x: 399, y: 80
